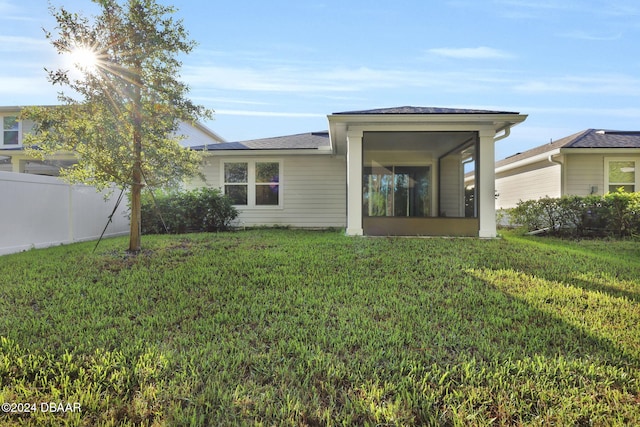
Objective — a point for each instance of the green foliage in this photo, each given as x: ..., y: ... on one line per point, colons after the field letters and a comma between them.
x: 134, y: 88
x: 614, y: 213
x: 284, y: 327
x: 203, y: 209
x: 122, y: 119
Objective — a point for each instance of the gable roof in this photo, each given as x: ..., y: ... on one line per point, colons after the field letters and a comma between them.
x: 301, y: 141
x: 422, y: 110
x: 590, y: 138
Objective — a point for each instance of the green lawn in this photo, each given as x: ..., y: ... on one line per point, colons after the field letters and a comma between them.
x: 282, y: 327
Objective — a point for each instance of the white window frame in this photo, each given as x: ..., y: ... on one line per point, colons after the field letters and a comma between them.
x: 251, y: 182
x: 608, y: 160
x: 2, y: 144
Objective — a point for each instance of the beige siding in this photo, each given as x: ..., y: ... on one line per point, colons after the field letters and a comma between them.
x: 451, y: 189
x: 313, y: 191
x: 584, y: 171
x: 529, y: 182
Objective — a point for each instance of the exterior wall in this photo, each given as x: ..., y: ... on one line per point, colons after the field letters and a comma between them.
x: 194, y: 136
x: 313, y: 191
x: 583, y: 172
x: 40, y: 211
x: 451, y: 188
x: 530, y: 182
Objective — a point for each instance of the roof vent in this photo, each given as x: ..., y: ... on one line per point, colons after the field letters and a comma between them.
x: 601, y: 132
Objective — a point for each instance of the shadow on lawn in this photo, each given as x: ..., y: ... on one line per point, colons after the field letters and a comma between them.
x: 535, y: 306
x: 590, y: 269
x: 517, y: 326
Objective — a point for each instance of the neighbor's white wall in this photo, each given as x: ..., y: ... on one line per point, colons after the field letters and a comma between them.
x: 529, y: 182
x: 313, y: 191
x: 194, y: 136
x: 40, y: 211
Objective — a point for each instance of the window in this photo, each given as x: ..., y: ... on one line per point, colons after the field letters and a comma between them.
x: 397, y: 191
x: 267, y: 184
x: 236, y: 182
x: 621, y: 173
x: 253, y: 183
x: 10, y: 131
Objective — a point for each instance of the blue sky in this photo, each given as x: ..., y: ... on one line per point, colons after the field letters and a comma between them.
x: 278, y: 67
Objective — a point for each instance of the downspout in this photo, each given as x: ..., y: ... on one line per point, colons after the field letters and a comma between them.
x: 558, y: 162
x: 507, y: 132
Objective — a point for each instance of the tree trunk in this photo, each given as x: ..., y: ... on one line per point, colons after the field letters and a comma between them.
x: 135, y: 233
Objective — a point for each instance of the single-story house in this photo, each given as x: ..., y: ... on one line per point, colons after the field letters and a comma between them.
x: 589, y: 162
x: 13, y: 158
x: 393, y: 171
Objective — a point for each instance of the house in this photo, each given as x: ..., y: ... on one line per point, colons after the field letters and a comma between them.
x: 588, y: 162
x: 392, y: 171
x: 14, y: 159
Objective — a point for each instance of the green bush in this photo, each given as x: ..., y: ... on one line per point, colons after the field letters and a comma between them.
x: 614, y: 213
x: 177, y: 212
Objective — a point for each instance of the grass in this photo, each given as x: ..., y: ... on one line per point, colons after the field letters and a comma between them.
x: 282, y: 327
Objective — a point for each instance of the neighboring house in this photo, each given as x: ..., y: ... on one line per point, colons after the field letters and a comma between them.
x: 14, y: 159
x: 588, y: 162
x: 394, y: 171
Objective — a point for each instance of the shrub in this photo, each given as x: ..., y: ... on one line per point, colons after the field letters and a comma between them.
x: 614, y: 213
x: 528, y: 214
x: 202, y: 209
x: 623, y: 212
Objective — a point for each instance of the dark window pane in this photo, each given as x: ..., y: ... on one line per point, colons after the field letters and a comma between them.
x: 11, y: 138
x: 267, y: 195
x: 236, y: 172
x: 416, y: 199
x: 267, y: 172
x: 396, y: 191
x: 378, y: 194
x: 237, y: 193
x: 10, y: 127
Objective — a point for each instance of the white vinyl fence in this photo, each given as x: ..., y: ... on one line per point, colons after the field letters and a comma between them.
x: 41, y: 211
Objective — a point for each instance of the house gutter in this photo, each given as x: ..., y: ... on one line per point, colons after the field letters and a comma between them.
x: 551, y: 159
x: 507, y: 132
x: 529, y: 160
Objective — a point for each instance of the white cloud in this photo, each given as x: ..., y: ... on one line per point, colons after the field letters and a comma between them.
x: 268, y: 114
x: 20, y: 44
x: 612, y: 84
x: 481, y: 52
x: 336, y: 81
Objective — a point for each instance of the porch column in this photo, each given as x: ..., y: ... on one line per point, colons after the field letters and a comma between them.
x: 18, y: 164
x: 354, y: 183
x: 487, y: 184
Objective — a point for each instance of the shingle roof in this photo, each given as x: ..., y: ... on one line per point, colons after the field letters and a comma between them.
x: 311, y: 140
x: 590, y: 138
x: 423, y: 110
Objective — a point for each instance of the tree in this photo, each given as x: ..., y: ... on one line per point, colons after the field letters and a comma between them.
x: 127, y: 102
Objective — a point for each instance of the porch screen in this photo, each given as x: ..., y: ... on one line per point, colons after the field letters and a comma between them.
x: 402, y: 191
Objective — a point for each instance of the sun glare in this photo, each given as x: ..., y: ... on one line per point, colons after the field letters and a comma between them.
x: 84, y: 58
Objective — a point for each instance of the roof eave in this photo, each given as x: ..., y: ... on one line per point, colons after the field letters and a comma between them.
x: 266, y: 152
x: 528, y: 161
x: 601, y: 150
